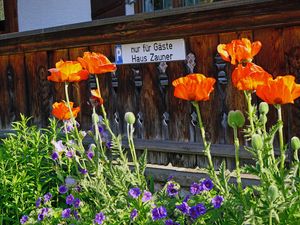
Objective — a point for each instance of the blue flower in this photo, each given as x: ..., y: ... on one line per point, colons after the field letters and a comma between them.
x: 196, y: 189
x: 133, y: 214
x: 63, y: 189
x: 70, y: 199
x: 172, y: 189
x: 207, y: 184
x: 54, y: 155
x: 217, y: 201
x: 99, y: 218
x: 134, y: 192
x: 40, y: 217
x: 76, y: 202
x: 82, y: 171
x: 184, y: 208
x: 66, y: 213
x: 147, y: 196
x: 171, y: 222
x: 90, y: 154
x: 24, y: 219
x: 197, y: 211
x: 76, y: 215
x: 70, y: 154
x: 59, y: 147
x: 38, y: 202
x: 47, y: 197
x: 159, y: 213
x: 186, y: 198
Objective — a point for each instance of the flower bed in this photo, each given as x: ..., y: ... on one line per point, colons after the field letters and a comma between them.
x: 50, y: 177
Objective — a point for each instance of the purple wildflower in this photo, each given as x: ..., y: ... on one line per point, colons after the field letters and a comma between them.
x: 196, y: 189
x: 59, y: 147
x: 70, y: 199
x: 108, y: 144
x: 217, y: 201
x: 99, y: 218
x: 66, y: 213
x: 197, y: 211
x: 77, y: 188
x: 134, y: 192
x: 63, y: 189
x: 170, y: 178
x: 186, y: 198
x: 70, y: 154
x: 147, y: 196
x: 83, y: 171
x: 47, y: 197
x: 184, y: 208
x: 133, y: 214
x: 207, y: 184
x: 90, y: 154
x: 171, y: 222
x: 76, y: 202
x: 40, y: 217
x: 70, y: 181
x: 76, y: 215
x: 54, y: 155
x: 38, y: 202
x: 159, y: 213
x: 172, y: 189
x: 24, y: 219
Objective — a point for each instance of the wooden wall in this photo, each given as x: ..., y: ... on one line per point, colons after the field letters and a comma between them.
x: 165, y: 125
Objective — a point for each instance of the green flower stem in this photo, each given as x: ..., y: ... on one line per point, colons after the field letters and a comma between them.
x: 106, y: 123
x: 130, y: 130
x: 250, y: 110
x: 280, y: 133
x: 66, y: 131
x: 270, y: 217
x: 206, y: 146
x: 237, y: 158
x: 72, y: 116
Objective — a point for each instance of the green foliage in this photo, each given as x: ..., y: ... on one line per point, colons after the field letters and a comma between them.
x: 25, y: 169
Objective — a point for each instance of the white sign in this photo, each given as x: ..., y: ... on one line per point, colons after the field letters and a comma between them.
x: 148, y: 52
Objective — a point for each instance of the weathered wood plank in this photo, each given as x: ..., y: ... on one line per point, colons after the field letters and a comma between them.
x: 20, y: 84
x: 4, y: 95
x: 180, y: 110
x: 272, y: 51
x: 39, y: 99
x: 291, y: 46
x: 210, y: 18
x: 80, y: 92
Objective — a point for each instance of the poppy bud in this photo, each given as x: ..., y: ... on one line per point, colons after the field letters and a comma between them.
x: 263, y: 118
x: 236, y: 119
x: 295, y: 142
x: 256, y: 142
x: 129, y: 117
x: 95, y: 117
x: 263, y: 108
x: 273, y: 192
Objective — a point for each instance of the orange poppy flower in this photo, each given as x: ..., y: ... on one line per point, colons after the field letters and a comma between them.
x: 239, y: 50
x: 68, y: 71
x: 193, y: 87
x: 281, y: 90
x: 97, y: 96
x: 249, y: 77
x: 61, y: 111
x: 96, y: 63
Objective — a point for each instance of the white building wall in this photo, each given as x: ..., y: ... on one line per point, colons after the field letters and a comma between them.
x: 36, y: 14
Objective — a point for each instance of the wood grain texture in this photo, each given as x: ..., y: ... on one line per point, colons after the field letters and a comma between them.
x: 204, y: 47
x: 39, y: 99
x: 180, y: 110
x: 4, y: 114
x: 17, y: 64
x: 80, y: 92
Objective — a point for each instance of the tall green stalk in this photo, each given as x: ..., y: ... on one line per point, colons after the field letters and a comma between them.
x: 280, y: 133
x: 248, y: 97
x: 207, y: 147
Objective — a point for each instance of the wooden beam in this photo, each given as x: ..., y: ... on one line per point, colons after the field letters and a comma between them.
x: 165, y: 24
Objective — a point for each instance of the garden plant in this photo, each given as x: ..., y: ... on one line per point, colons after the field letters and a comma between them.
x: 51, y: 176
